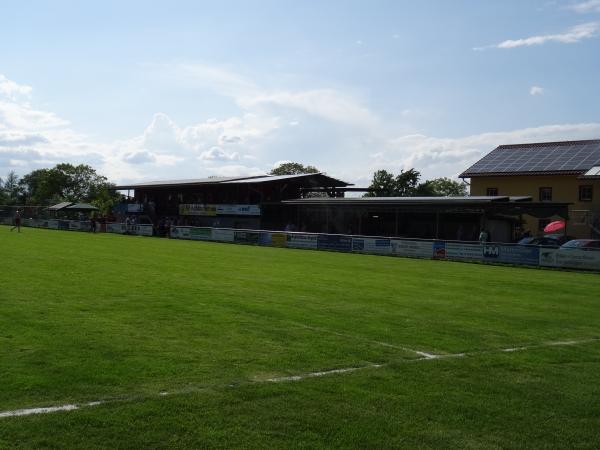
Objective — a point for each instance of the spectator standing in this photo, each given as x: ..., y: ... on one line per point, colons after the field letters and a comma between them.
x: 17, y: 221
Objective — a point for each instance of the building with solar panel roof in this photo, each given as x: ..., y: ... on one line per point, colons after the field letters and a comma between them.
x: 566, y: 172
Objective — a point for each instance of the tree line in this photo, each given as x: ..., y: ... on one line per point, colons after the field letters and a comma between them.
x: 386, y: 184
x: 62, y: 183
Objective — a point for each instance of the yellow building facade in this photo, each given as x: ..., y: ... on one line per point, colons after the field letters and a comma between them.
x: 564, y: 172
x: 584, y: 212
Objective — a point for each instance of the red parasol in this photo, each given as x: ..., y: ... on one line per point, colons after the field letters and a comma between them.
x: 554, y: 226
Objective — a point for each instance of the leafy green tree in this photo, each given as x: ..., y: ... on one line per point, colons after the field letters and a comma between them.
x: 3, y: 196
x: 442, y: 187
x: 385, y: 184
x: 67, y: 182
x: 12, y: 189
x: 293, y: 168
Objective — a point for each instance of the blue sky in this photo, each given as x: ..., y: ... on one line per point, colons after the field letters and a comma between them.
x: 145, y: 91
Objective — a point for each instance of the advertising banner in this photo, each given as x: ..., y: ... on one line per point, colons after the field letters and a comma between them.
x: 180, y: 232
x: 247, y: 237
x: 273, y: 239
x: 297, y: 240
x: 53, y: 223
x: 334, y: 242
x: 460, y: 250
x: 570, y: 258
x: 414, y: 249
x: 512, y: 254
x: 201, y: 234
x: 74, y: 225
x: 115, y: 227
x: 142, y: 230
x: 371, y: 245
x: 63, y: 225
x: 439, y: 249
x: 238, y: 210
x: 197, y: 209
x: 223, y: 235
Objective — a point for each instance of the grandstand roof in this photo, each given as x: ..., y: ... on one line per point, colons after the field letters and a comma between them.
x: 543, y: 158
x: 407, y: 200
x: 323, y: 180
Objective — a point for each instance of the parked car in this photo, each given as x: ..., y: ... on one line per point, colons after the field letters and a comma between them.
x: 548, y: 240
x: 582, y: 244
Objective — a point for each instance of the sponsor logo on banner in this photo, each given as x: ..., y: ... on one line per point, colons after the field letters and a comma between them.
x: 302, y: 240
x: 238, y: 210
x: 459, y: 250
x: 570, y: 258
x: 512, y: 254
x: 53, y: 223
x: 197, y: 209
x: 201, y: 234
x: 334, y: 242
x: 223, y: 234
x: 371, y: 245
x: 439, y: 249
x: 421, y: 249
x: 246, y: 237
x: 180, y: 232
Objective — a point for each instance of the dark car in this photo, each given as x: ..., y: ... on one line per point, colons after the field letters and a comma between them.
x: 549, y: 240
x: 582, y: 244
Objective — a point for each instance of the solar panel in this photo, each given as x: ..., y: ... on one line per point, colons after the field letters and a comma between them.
x: 567, y: 156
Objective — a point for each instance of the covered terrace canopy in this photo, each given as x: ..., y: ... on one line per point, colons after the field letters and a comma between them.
x: 425, y: 217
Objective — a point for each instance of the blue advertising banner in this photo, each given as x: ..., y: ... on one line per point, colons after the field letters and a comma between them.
x: 63, y: 225
x: 371, y: 245
x: 512, y: 254
x: 334, y: 242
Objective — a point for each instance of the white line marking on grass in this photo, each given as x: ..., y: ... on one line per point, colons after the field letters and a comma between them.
x: 423, y: 357
x: 371, y: 341
x: 545, y: 344
x: 27, y: 412
x: 323, y: 373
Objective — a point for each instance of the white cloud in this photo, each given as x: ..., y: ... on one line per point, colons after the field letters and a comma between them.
x: 12, y: 90
x: 571, y: 36
x: 218, y: 154
x: 586, y: 7
x: 536, y: 90
x: 436, y: 157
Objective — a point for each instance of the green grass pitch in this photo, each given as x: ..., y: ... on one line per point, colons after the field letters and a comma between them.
x: 188, y: 345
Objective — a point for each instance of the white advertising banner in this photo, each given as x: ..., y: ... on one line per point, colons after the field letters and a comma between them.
x: 141, y: 230
x: 460, y: 250
x: 415, y: 249
x: 180, y: 232
x: 372, y: 245
x: 114, y: 227
x: 224, y: 235
x: 302, y: 240
x: 571, y: 258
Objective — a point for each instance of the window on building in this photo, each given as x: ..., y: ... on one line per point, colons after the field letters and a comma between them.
x: 542, y: 224
x: 585, y: 193
x: 545, y: 194
x: 492, y: 192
